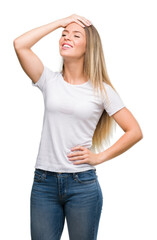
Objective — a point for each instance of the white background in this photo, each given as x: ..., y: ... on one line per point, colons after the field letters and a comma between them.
x: 128, y: 33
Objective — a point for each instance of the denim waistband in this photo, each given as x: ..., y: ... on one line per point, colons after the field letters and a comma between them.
x: 64, y: 173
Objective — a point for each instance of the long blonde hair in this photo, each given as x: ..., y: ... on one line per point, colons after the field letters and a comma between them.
x: 95, y: 69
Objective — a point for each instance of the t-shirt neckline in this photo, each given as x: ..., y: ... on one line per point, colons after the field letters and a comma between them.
x: 74, y: 85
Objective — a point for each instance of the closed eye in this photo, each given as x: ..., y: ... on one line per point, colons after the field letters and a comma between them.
x: 74, y: 35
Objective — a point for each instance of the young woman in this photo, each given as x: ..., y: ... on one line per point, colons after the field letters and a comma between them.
x: 81, y: 106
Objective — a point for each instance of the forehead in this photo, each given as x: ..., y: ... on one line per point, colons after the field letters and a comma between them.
x: 74, y: 27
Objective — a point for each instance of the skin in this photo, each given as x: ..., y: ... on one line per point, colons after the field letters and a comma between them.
x: 73, y: 57
x: 73, y: 62
x: 132, y: 135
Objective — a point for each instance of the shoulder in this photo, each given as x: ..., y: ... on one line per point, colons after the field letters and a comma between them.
x: 111, y: 92
x: 49, y: 73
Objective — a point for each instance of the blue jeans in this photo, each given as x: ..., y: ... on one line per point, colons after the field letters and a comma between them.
x: 76, y: 196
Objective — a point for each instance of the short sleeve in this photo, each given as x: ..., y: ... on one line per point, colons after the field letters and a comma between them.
x: 114, y: 102
x: 46, y: 76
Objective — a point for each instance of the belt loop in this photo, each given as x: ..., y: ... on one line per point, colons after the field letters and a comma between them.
x: 74, y: 175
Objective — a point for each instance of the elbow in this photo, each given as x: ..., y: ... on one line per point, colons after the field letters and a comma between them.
x: 138, y: 134
x: 15, y: 44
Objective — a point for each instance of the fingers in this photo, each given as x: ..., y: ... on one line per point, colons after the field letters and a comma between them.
x: 82, y: 21
x: 86, y: 21
x: 77, y: 21
x: 80, y: 162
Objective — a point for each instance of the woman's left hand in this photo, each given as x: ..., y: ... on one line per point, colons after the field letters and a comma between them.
x: 85, y: 155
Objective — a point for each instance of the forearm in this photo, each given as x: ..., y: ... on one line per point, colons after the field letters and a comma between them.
x: 28, y: 39
x: 126, y: 141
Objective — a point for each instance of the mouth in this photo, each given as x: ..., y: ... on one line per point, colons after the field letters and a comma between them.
x: 66, y: 46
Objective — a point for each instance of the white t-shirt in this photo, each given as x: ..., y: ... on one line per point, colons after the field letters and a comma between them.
x: 71, y: 113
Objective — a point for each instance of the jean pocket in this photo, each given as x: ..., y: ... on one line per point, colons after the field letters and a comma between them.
x: 39, y: 175
x: 86, y: 177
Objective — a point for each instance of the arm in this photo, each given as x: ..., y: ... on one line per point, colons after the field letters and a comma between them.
x: 29, y: 61
x: 28, y: 39
x: 132, y: 135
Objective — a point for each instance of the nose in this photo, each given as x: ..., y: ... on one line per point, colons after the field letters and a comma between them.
x: 67, y: 37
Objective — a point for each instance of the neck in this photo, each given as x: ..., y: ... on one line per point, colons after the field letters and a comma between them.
x: 73, y: 72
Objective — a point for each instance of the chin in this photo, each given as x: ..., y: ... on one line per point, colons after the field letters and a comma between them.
x: 68, y: 55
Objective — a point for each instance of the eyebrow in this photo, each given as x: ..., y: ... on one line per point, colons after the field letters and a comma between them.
x: 73, y: 31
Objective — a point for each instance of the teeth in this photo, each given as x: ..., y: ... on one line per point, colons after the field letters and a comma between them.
x: 65, y: 45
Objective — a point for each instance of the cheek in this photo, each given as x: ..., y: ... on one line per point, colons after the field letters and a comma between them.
x: 81, y: 46
x: 59, y: 41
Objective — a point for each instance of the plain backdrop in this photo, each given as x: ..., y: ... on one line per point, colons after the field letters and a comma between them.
x: 128, y: 181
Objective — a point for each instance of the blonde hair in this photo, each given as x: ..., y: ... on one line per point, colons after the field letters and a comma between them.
x: 95, y: 69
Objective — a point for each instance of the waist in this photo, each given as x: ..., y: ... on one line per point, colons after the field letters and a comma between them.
x: 64, y: 173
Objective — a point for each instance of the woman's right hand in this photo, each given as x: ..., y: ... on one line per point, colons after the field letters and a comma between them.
x: 74, y: 18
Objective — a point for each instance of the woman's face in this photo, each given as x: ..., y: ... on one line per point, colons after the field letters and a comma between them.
x: 74, y: 35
